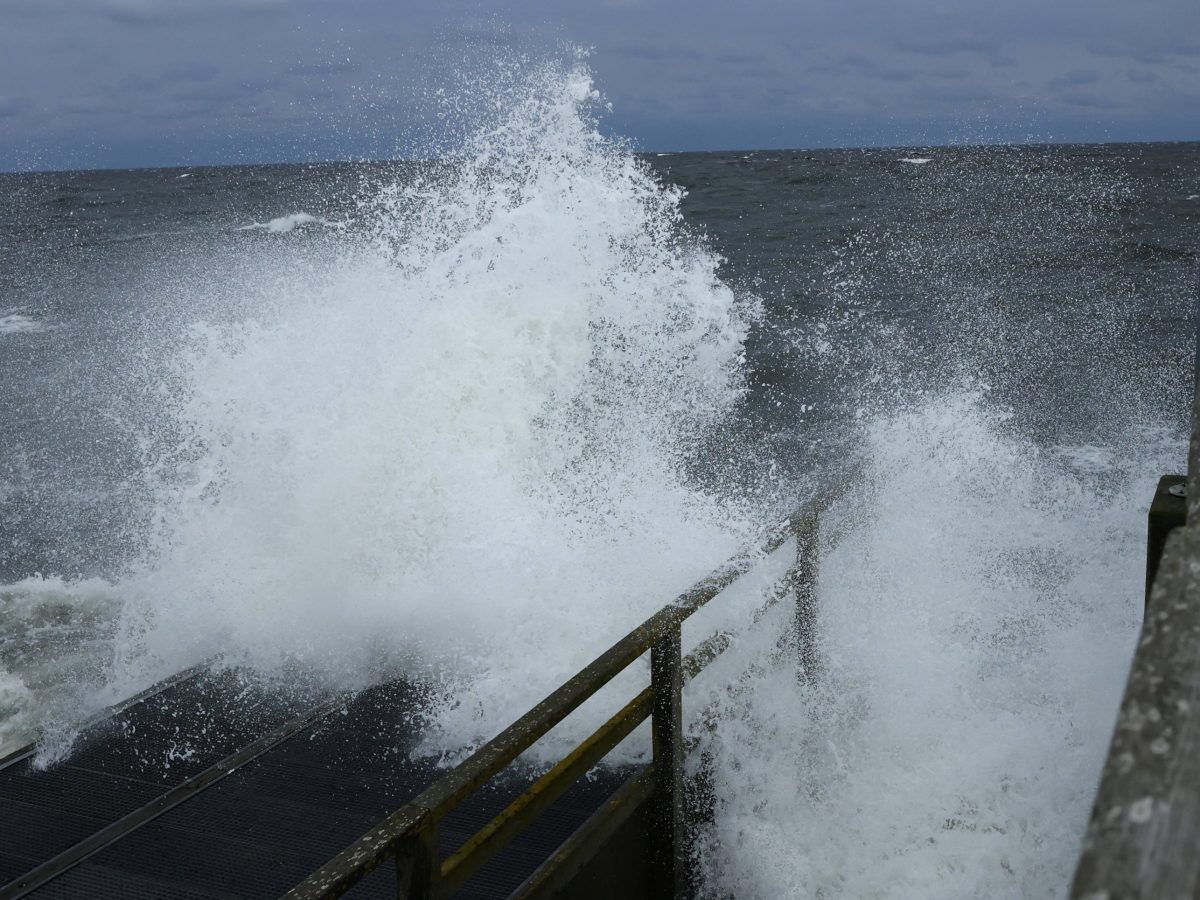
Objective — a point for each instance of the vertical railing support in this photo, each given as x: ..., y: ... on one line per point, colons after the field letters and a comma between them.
x: 666, y: 679
x: 418, y: 866
x: 1168, y: 511
x: 804, y: 577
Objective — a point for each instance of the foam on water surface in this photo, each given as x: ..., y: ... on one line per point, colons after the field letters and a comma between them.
x: 969, y: 620
x: 19, y: 323
x: 455, y: 438
x: 289, y: 223
x: 452, y: 443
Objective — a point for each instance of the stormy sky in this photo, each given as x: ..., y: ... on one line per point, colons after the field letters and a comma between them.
x: 99, y: 83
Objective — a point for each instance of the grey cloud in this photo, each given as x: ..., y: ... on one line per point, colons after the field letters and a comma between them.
x: 224, y: 92
x: 193, y: 72
x: 944, y: 46
x: 662, y: 53
x: 1076, y: 78
x: 11, y: 106
x: 955, y: 94
x: 737, y: 57
x: 1089, y: 100
x: 281, y: 78
x: 855, y: 63
x: 941, y: 47
x: 197, y: 71
x: 1163, y: 47
x: 321, y: 69
x: 166, y: 12
x: 93, y: 105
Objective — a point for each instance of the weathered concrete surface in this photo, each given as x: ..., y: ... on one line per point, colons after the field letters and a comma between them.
x: 1143, y: 840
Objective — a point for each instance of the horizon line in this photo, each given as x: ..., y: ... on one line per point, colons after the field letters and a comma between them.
x: 365, y: 160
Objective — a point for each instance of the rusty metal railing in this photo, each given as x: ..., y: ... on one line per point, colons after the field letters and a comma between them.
x: 410, y: 835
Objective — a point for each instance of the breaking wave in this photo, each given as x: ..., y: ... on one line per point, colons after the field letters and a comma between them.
x: 455, y: 445
x: 975, y: 622
x: 458, y: 439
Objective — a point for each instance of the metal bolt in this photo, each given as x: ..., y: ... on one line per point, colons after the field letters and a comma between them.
x: 1177, y: 490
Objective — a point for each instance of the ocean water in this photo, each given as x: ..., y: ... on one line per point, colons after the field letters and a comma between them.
x: 470, y: 420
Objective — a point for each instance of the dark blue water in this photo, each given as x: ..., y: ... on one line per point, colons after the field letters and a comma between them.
x: 231, y: 398
x: 1059, y: 277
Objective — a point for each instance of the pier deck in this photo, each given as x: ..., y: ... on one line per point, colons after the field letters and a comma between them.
x: 215, y: 788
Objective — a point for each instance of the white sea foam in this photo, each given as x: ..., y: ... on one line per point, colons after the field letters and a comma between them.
x: 917, y: 160
x: 57, y: 648
x: 1194, y: 196
x: 16, y: 712
x: 973, y: 626
x: 456, y: 449
x: 17, y: 323
x: 289, y: 223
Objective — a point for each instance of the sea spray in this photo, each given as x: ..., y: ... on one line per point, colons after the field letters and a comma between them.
x: 974, y: 619
x: 393, y: 446
x: 453, y: 448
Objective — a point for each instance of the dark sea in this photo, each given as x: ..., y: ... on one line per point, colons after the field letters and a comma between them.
x: 356, y: 414
x: 1062, y: 278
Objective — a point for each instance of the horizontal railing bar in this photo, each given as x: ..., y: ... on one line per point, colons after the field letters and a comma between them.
x: 556, y: 872
x: 717, y: 643
x: 531, y: 727
x: 491, y: 838
x: 352, y: 864
x: 486, y: 843
x: 357, y: 861
x: 705, y: 652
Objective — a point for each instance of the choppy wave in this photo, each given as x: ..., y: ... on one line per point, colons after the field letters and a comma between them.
x: 18, y: 323
x: 458, y: 443
x: 289, y: 223
x: 472, y: 417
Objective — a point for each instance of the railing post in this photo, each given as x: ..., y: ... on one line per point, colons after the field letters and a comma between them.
x: 804, y: 577
x: 666, y: 679
x: 418, y: 866
x: 1168, y: 511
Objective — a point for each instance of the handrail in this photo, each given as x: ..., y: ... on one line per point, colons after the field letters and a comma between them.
x: 410, y: 833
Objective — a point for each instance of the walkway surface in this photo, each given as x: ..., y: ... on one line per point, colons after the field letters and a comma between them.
x: 147, y: 807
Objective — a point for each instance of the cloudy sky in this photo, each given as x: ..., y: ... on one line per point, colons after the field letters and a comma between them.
x: 91, y: 83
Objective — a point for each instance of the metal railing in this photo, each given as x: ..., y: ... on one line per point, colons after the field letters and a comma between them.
x: 410, y: 835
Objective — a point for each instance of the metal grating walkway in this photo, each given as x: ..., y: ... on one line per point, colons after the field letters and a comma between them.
x: 260, y: 828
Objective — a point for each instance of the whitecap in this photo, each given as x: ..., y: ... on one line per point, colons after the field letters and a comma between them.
x: 917, y: 160
x: 15, y: 323
x: 285, y: 224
